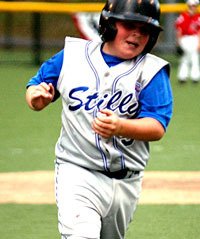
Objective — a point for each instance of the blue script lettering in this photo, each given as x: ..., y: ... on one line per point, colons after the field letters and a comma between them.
x: 125, y: 104
x: 71, y: 93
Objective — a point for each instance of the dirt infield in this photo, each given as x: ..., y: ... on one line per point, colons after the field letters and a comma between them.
x: 158, y: 188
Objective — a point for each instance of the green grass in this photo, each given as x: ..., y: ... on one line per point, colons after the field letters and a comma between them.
x: 28, y: 138
x: 28, y: 222
x: 150, y: 222
x: 165, y: 222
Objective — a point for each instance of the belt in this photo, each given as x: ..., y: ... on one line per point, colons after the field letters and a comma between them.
x: 121, y: 174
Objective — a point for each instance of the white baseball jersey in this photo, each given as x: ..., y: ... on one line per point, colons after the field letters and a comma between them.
x: 93, y: 86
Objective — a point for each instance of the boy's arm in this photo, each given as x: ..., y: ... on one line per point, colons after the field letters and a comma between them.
x: 108, y: 124
x: 39, y: 96
x: 156, y: 105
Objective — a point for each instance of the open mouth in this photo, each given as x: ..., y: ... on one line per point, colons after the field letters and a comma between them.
x: 134, y: 44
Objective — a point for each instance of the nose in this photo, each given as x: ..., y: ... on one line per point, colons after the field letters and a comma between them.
x: 140, y: 31
x: 136, y: 31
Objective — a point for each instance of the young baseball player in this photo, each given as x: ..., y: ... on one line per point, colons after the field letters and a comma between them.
x: 116, y: 97
x: 187, y: 27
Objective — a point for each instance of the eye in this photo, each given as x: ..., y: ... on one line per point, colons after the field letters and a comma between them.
x: 144, y: 30
x: 129, y: 25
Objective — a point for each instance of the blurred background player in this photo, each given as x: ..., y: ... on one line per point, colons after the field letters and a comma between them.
x: 87, y: 24
x: 187, y: 27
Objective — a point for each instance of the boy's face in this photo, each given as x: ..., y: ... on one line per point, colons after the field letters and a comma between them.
x: 130, y: 40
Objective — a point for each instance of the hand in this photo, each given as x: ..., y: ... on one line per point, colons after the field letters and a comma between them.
x: 40, y: 95
x: 106, y: 124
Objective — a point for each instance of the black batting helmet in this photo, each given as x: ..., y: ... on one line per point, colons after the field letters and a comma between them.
x: 147, y: 11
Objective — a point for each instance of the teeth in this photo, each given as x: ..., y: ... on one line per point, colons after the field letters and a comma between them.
x: 133, y: 44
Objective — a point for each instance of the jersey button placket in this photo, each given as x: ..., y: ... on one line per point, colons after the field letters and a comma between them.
x: 106, y: 78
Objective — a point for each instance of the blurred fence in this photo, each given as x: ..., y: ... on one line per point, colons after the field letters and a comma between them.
x: 40, y: 25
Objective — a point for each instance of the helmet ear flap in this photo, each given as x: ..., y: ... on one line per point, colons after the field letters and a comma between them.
x: 152, y: 41
x: 107, y: 29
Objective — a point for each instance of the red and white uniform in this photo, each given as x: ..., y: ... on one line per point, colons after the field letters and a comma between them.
x: 187, y: 26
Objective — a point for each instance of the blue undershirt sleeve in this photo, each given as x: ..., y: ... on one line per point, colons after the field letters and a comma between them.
x: 49, y: 72
x: 156, y: 100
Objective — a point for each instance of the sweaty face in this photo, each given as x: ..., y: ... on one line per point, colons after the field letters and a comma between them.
x: 130, y: 40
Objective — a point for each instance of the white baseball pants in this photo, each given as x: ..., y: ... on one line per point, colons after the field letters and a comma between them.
x: 93, y: 206
x: 189, y: 66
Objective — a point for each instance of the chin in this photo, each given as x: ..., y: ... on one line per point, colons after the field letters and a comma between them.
x: 129, y: 56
